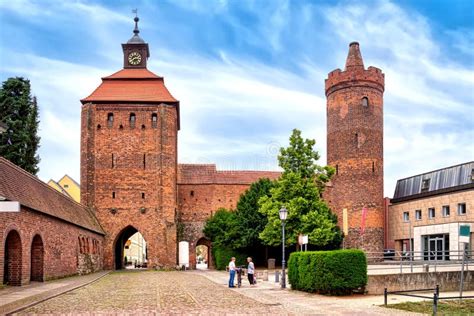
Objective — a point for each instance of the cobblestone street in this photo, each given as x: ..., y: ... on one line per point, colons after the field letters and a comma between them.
x: 155, y: 292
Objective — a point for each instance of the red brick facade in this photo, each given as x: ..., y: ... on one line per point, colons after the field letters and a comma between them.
x: 43, y: 240
x: 355, y: 149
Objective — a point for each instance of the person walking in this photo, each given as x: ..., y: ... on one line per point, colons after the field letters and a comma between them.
x: 250, y: 271
x: 231, y: 272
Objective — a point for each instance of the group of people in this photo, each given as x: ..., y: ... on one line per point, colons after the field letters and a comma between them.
x: 250, y: 271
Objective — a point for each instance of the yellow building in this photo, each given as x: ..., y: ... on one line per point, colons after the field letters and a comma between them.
x: 67, y: 186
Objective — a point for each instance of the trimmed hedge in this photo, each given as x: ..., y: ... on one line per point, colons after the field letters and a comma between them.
x: 222, y: 257
x: 328, y: 272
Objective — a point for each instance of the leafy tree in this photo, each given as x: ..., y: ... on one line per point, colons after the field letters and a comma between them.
x: 220, y: 226
x: 19, y: 111
x: 299, y: 189
x: 249, y: 221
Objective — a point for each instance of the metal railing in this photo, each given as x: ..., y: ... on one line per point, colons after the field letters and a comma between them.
x: 421, y: 261
x: 436, y: 297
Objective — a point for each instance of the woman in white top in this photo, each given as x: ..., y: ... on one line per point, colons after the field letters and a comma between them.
x: 250, y: 271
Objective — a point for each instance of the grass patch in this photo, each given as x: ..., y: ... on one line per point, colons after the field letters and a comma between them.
x: 447, y: 307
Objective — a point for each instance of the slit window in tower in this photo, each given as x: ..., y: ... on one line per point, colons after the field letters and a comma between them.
x: 192, y: 193
x: 144, y: 161
x: 337, y: 169
x: 373, y: 166
x: 133, y: 119
x: 110, y: 119
x: 154, y: 120
x: 143, y: 195
x: 113, y: 195
x: 365, y: 102
x: 357, y: 139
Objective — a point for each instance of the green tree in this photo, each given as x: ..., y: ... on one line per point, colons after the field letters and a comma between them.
x: 19, y: 112
x: 299, y: 189
x: 249, y: 221
x: 220, y: 227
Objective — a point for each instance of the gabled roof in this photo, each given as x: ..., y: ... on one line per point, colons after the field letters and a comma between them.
x: 131, y: 85
x: 18, y: 185
x: 207, y: 174
x: 449, y: 179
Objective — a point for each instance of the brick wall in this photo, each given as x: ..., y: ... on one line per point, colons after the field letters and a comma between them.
x: 128, y: 175
x: 58, y: 239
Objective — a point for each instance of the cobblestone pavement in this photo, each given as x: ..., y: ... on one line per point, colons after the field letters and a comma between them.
x: 148, y: 293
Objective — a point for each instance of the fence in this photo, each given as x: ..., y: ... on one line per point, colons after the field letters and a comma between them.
x: 420, y: 261
x: 436, y: 298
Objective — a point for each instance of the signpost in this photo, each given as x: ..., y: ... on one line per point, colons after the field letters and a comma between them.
x: 464, y: 234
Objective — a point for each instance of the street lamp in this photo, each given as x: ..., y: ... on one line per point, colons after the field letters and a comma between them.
x: 283, y: 214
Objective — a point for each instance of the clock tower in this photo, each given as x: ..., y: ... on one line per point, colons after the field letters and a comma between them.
x: 129, y: 135
x: 135, y: 51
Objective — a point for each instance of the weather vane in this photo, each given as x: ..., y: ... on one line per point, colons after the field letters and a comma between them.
x: 136, y: 12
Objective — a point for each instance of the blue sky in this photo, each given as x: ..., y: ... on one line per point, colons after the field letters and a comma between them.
x: 248, y: 72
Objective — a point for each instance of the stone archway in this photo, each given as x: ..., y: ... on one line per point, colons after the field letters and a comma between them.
x: 203, y: 254
x: 37, y: 259
x: 13, y: 259
x: 130, y: 238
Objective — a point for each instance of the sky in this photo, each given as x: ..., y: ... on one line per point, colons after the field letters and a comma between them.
x: 247, y: 72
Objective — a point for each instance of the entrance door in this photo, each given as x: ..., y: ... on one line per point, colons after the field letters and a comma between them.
x: 437, y: 247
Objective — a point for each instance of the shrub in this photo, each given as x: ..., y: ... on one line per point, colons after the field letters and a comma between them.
x: 328, y: 272
x: 222, y: 257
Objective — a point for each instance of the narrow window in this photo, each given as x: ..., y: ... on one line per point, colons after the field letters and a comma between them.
x: 446, y: 211
x: 431, y: 213
x: 425, y: 185
x: 418, y: 215
x: 192, y: 193
x: 98, y: 126
x: 143, y: 195
x: 144, y: 161
x: 357, y: 140
x: 154, y: 120
x: 462, y: 209
x: 406, y: 216
x: 337, y: 169
x: 133, y: 119
x: 365, y: 102
x: 110, y: 120
x: 113, y: 195
x: 373, y: 166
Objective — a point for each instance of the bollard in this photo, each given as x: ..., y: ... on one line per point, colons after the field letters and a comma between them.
x: 265, y: 275
x: 385, y: 296
x: 277, y: 276
x: 435, y: 304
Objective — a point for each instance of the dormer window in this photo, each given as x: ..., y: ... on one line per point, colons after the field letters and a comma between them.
x: 425, y: 185
x: 110, y: 119
x: 133, y: 119
x: 154, y: 120
x: 365, y: 102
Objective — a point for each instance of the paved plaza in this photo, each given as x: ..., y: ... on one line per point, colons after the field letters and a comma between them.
x: 191, y: 292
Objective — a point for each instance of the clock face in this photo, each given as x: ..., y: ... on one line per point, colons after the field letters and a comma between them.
x: 134, y: 58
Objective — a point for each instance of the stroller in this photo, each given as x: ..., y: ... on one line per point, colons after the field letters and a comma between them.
x: 240, y: 272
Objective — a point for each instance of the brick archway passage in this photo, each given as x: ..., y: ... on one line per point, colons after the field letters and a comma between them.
x: 37, y: 259
x: 119, y: 246
x: 207, y: 243
x: 12, y: 262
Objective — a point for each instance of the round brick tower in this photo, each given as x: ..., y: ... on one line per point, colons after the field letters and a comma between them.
x: 355, y: 150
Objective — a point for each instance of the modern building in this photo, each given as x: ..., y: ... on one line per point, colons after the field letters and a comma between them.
x: 427, y: 210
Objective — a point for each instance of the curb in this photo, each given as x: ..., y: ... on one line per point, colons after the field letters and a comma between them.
x: 12, y: 307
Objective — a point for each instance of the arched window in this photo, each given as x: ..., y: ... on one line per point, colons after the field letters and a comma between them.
x: 365, y: 101
x: 133, y: 119
x: 110, y: 119
x: 154, y: 120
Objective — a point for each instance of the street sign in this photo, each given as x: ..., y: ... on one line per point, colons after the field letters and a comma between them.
x: 464, y: 233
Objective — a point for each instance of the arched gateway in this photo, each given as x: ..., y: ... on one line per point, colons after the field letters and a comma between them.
x: 13, y: 259
x: 37, y: 259
x: 130, y: 249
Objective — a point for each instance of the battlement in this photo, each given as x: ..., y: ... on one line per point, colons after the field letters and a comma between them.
x: 372, y: 76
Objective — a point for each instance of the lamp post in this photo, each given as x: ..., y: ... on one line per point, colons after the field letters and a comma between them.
x: 283, y: 214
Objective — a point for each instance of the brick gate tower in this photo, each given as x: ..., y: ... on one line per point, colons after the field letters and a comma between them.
x: 129, y: 131
x: 355, y: 149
